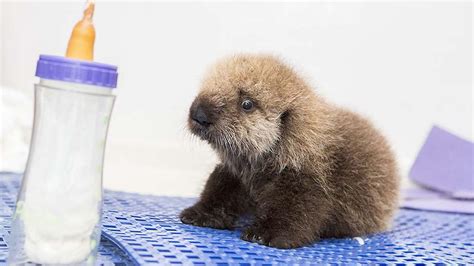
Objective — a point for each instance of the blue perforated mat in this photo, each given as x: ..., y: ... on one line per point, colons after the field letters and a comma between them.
x: 145, y: 230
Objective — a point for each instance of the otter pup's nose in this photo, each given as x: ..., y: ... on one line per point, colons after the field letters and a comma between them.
x: 199, y: 115
x: 202, y: 112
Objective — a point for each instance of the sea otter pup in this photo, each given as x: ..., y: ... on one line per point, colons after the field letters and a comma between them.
x: 302, y: 167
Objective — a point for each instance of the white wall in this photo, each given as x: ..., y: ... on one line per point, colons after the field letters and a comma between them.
x: 404, y: 65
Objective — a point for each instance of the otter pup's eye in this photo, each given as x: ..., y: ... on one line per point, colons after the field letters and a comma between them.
x: 247, y: 105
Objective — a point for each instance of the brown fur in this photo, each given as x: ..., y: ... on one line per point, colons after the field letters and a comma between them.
x: 302, y: 167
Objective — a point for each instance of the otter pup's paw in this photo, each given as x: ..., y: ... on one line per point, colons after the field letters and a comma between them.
x: 214, y: 218
x: 269, y: 238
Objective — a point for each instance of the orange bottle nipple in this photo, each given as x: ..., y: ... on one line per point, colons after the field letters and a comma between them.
x: 81, y: 43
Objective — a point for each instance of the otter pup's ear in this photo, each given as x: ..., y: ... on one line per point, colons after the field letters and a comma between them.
x: 284, y: 117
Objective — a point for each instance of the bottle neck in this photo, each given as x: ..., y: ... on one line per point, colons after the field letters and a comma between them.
x: 78, y: 87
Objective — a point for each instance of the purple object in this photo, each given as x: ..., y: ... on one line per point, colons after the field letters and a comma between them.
x: 440, y: 203
x: 445, y: 164
x: 424, y: 199
x: 444, y: 168
x: 419, y: 193
x: 77, y: 71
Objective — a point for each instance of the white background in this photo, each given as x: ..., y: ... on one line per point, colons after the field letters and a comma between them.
x: 405, y: 65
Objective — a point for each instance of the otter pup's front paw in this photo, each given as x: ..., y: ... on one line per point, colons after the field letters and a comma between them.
x: 272, y: 238
x: 214, y: 218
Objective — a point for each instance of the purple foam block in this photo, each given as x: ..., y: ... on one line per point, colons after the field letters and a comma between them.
x: 445, y: 164
x: 440, y: 204
x: 420, y: 193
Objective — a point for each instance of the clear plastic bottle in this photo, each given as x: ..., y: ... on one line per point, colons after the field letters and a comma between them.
x: 58, y: 212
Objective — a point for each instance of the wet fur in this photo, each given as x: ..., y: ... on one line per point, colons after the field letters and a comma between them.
x: 304, y: 168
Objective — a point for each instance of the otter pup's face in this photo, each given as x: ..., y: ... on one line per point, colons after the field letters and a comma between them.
x: 241, y: 105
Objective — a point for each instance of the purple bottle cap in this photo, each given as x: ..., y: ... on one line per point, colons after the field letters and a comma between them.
x: 77, y: 71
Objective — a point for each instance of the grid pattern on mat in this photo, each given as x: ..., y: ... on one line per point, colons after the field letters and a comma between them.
x: 147, y: 230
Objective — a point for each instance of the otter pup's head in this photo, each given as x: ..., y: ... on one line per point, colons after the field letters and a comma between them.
x: 243, y: 103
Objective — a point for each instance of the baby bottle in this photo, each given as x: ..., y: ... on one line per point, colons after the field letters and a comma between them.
x: 58, y: 212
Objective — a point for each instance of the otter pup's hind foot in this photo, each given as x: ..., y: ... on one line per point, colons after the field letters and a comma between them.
x: 214, y: 218
x: 271, y: 238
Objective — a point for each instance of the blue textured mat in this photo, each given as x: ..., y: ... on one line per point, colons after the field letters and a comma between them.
x: 147, y: 229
